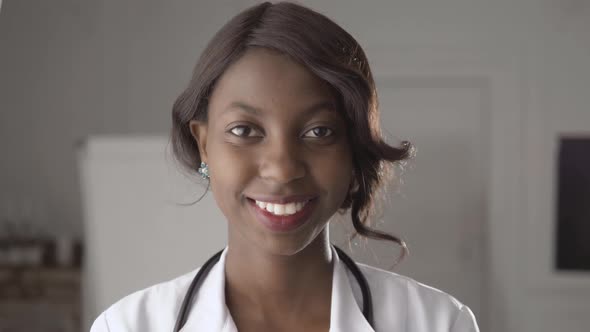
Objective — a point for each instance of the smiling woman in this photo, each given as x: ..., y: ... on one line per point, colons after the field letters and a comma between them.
x: 275, y: 137
x: 281, y: 118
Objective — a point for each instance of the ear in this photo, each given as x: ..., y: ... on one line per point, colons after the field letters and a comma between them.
x: 353, y: 187
x: 354, y: 183
x: 199, y: 133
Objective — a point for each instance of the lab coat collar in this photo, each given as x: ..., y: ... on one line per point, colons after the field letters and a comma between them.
x: 208, y: 310
x: 346, y: 312
x: 210, y: 313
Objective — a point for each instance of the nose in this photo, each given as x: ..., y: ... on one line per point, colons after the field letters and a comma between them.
x: 282, y: 162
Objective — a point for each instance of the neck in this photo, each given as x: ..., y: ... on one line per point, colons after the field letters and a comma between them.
x: 276, y: 286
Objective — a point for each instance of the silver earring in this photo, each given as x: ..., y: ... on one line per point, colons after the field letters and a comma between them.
x: 204, y: 171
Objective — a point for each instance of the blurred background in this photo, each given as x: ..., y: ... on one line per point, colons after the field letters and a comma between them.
x: 495, y: 207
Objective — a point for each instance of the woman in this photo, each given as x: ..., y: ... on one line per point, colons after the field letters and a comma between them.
x: 281, y: 119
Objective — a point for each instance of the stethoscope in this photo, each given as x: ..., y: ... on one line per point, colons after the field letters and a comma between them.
x: 204, y: 270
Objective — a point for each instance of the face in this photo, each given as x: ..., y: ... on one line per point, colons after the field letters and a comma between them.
x: 279, y: 161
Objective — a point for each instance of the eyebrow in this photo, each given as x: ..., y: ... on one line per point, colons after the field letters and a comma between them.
x: 326, y: 105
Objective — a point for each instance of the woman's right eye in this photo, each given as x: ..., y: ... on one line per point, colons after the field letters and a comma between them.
x: 244, y: 131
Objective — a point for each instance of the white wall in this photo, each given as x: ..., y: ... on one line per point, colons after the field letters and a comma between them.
x: 137, y: 233
x: 73, y: 68
x: 557, y: 98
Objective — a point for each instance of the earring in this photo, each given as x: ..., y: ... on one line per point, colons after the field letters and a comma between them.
x: 204, y: 171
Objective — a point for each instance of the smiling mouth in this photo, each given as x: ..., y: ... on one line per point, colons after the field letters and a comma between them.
x: 282, y: 209
x: 285, y: 214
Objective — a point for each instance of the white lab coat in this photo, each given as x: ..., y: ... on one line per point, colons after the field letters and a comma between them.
x: 399, y: 304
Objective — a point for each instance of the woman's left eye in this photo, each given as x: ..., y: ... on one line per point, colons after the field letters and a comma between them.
x: 319, y: 132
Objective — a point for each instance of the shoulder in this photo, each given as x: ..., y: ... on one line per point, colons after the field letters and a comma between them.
x: 150, y: 309
x: 419, y: 306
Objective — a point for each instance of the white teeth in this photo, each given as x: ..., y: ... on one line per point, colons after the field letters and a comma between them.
x: 281, y: 209
x: 290, y: 208
x: 270, y: 207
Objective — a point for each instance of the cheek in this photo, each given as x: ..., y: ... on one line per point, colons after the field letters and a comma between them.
x: 231, y: 171
x: 334, y: 171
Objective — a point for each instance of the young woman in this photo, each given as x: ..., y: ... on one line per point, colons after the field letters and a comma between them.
x: 281, y: 119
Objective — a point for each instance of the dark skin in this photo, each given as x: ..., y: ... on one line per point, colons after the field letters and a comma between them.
x: 273, y: 129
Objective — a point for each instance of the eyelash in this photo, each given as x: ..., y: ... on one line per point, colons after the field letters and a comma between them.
x: 330, y: 131
x: 231, y: 130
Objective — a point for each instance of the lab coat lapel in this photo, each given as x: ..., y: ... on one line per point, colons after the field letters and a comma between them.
x: 346, y: 313
x: 208, y: 311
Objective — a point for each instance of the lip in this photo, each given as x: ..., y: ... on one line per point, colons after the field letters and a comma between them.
x: 283, y: 224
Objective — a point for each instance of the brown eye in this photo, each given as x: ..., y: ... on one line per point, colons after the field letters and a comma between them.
x: 243, y: 131
x: 319, y: 132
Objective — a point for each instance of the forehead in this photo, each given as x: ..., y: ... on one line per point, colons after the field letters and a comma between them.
x: 269, y: 80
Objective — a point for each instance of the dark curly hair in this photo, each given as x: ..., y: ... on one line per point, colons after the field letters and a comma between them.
x: 331, y: 54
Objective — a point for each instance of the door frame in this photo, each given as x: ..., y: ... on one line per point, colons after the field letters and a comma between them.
x: 502, y: 248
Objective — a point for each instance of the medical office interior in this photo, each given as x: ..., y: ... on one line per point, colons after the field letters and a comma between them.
x: 494, y: 94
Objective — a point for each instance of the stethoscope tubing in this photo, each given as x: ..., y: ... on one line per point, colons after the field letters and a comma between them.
x: 204, y: 270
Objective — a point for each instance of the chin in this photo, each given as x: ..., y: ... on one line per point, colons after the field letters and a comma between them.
x: 289, y: 245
